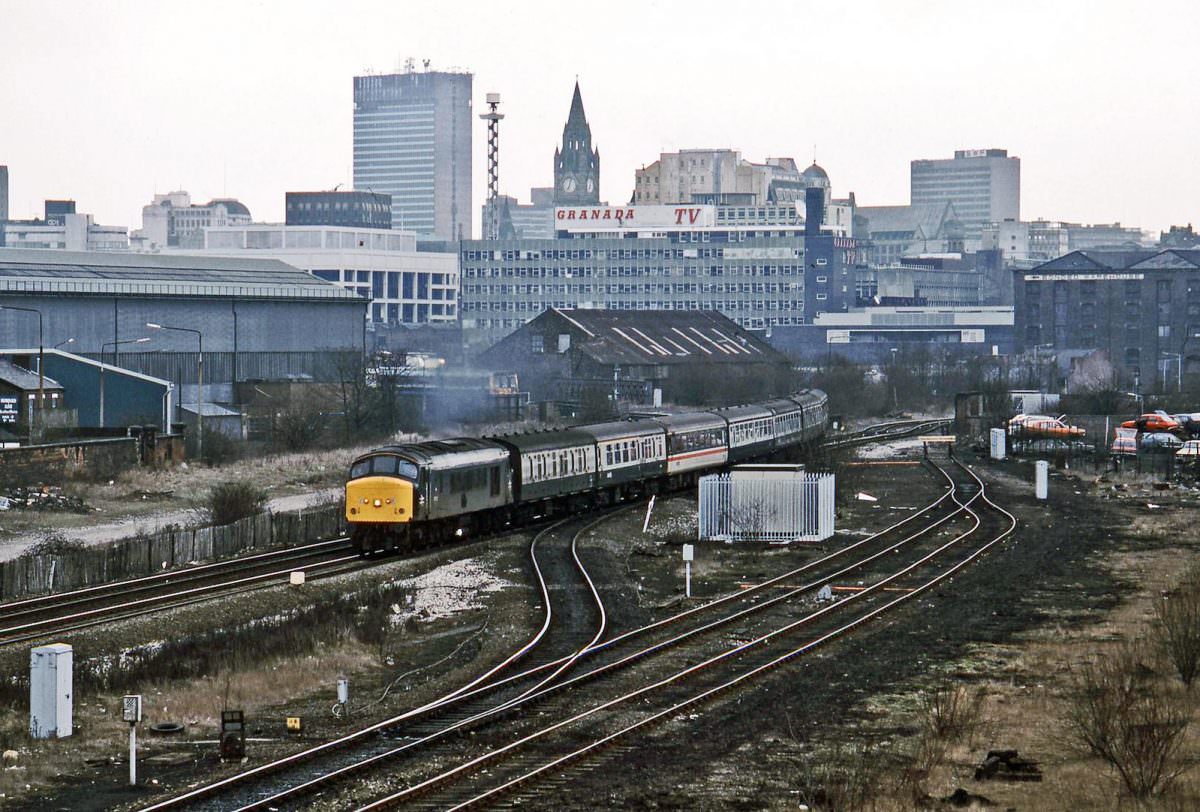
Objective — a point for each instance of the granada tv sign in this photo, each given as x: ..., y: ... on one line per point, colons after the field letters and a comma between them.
x: 607, y: 218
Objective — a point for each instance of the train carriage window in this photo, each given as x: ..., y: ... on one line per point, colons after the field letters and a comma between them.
x: 494, y: 485
x: 360, y: 468
x: 608, y: 455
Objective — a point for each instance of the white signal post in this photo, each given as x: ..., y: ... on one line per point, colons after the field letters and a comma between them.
x: 689, y: 552
x: 131, y: 712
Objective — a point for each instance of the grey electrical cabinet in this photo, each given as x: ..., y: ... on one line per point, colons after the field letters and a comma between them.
x: 50, y: 691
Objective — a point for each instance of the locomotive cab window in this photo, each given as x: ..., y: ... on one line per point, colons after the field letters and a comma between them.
x: 384, y: 465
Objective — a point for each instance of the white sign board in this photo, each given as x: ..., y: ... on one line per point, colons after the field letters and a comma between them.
x: 608, y: 218
x: 689, y: 552
x: 131, y: 708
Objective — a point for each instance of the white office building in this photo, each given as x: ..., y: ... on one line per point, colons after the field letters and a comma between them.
x: 983, y: 184
x: 404, y: 285
x: 69, y: 232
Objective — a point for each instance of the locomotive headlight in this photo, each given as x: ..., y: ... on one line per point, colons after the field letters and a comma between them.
x: 390, y: 500
x: 364, y: 501
x: 377, y: 503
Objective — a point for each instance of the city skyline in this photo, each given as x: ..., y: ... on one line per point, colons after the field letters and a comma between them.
x: 871, y: 89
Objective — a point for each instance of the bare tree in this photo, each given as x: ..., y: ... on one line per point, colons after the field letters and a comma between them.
x: 1177, y: 628
x: 1135, y: 727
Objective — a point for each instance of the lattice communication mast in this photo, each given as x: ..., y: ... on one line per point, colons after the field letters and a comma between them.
x: 492, y: 117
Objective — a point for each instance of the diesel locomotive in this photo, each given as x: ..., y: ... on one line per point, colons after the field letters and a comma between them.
x: 402, y: 497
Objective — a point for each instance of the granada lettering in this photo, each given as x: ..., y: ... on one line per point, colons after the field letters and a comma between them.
x: 691, y: 214
x: 620, y: 215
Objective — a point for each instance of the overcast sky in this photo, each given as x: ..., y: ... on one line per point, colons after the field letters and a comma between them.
x: 109, y: 102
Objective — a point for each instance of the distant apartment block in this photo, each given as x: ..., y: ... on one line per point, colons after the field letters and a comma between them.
x: 62, y: 228
x: 412, y: 140
x: 352, y: 209
x: 1043, y: 240
x: 983, y: 184
x: 698, y: 257
x: 171, y: 220
x: 403, y: 285
x: 719, y: 176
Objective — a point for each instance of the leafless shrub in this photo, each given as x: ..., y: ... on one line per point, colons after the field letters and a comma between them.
x: 848, y: 777
x: 53, y: 543
x: 1136, y: 727
x: 298, y: 425
x: 950, y: 710
x: 1177, y: 627
x: 233, y: 500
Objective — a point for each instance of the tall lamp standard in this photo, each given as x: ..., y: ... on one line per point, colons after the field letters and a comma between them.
x: 114, y: 345
x: 199, y: 382
x: 41, y: 401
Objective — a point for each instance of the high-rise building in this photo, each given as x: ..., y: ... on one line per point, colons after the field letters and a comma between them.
x: 983, y: 184
x: 3, y: 193
x: 412, y: 140
x: 576, y: 164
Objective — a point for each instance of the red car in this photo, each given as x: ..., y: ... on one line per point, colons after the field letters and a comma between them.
x: 1153, y: 421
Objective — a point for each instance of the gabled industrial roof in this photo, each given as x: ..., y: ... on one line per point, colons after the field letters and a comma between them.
x: 116, y: 273
x: 923, y: 220
x: 1092, y: 261
x: 661, y: 337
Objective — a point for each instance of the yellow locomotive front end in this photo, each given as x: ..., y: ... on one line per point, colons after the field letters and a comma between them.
x: 380, y: 501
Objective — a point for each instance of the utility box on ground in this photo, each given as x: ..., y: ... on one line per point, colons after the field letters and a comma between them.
x: 776, y: 503
x: 50, y: 691
x: 997, y: 444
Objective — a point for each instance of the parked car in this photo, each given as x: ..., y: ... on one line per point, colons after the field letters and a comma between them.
x: 1041, y: 425
x: 1161, y: 441
x: 1153, y: 422
x: 1189, y: 451
x: 1124, y: 445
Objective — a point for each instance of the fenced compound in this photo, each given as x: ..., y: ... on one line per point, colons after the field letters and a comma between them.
x: 163, y: 550
x: 760, y: 504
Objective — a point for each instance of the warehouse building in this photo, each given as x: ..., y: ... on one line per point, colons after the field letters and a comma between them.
x: 256, y: 319
x: 1140, y: 308
x: 640, y: 357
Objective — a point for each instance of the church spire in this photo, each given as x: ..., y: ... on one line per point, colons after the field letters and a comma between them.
x: 577, y: 163
x: 576, y: 118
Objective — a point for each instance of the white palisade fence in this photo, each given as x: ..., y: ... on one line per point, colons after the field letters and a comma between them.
x: 777, y: 503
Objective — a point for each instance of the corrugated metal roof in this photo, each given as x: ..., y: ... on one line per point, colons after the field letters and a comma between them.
x: 22, y: 378
x: 91, y: 273
x: 665, y: 337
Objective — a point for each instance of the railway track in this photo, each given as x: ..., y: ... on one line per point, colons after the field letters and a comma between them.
x: 35, y: 618
x: 574, y: 619
x: 423, y: 732
x: 581, y: 728
x: 891, y: 430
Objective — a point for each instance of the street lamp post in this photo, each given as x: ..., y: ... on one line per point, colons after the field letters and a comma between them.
x: 199, y: 382
x: 41, y: 401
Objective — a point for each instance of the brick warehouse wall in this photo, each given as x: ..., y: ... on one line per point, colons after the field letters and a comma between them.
x: 55, y: 462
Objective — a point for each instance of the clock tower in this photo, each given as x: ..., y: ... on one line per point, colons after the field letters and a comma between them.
x: 576, y: 164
